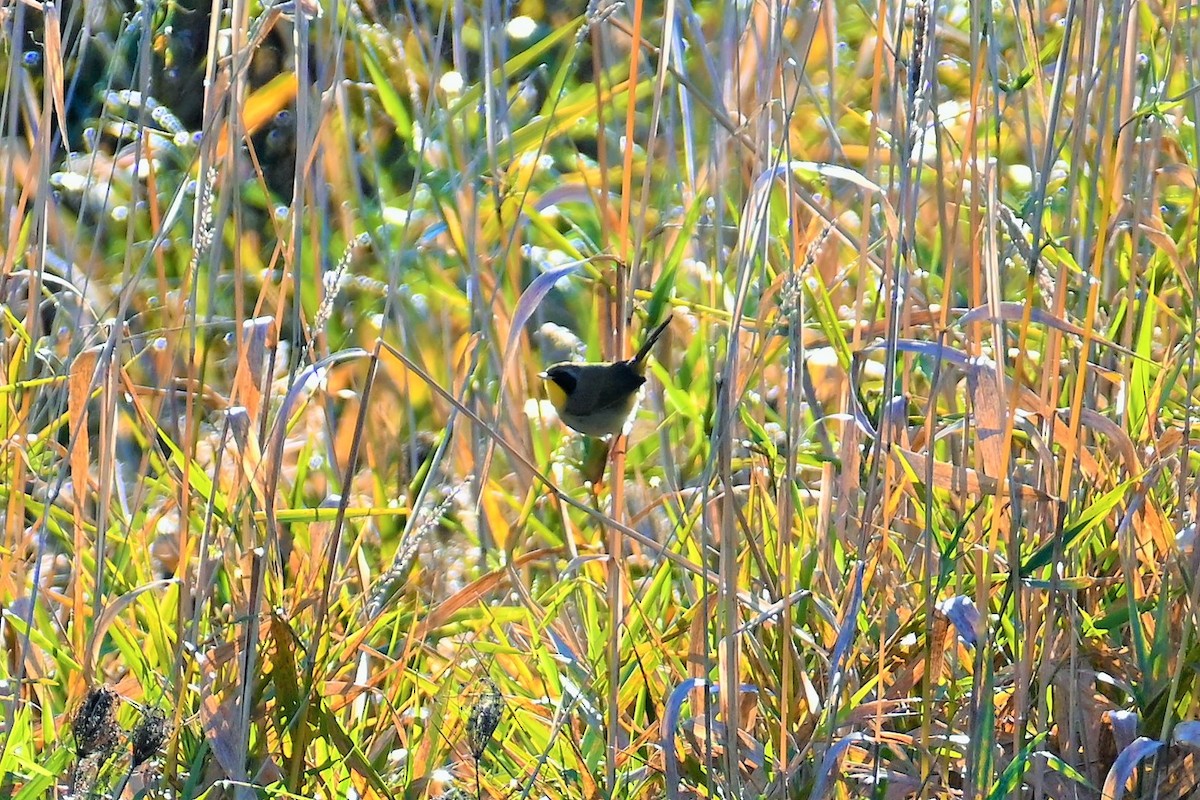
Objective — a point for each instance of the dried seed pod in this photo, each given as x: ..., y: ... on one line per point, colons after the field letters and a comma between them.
x: 148, y: 737
x: 485, y: 717
x: 95, y: 724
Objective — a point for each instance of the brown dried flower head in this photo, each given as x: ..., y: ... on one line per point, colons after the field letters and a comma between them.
x: 485, y: 717
x: 148, y: 737
x: 95, y: 724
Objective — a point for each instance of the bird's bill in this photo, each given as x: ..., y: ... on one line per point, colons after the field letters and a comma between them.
x: 544, y: 376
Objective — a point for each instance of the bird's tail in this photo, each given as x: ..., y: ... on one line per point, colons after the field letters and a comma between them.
x: 644, y: 350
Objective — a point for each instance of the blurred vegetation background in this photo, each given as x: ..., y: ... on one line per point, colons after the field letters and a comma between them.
x: 909, y: 506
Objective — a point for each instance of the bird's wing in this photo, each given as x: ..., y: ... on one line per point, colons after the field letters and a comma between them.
x: 623, y: 384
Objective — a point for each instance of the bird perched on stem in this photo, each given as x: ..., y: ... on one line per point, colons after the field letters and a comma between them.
x: 597, y: 399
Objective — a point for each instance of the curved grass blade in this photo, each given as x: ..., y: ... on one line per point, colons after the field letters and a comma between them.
x: 1122, y: 769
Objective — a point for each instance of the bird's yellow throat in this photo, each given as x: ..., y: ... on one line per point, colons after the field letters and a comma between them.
x: 557, y: 396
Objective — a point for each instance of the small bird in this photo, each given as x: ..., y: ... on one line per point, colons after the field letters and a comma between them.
x: 598, y: 399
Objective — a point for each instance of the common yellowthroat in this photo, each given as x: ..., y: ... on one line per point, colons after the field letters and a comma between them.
x: 598, y: 399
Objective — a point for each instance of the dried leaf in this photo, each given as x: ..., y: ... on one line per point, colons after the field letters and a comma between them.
x: 829, y: 762
x: 1127, y: 761
x: 112, y: 610
x: 964, y: 480
x: 79, y: 392
x: 667, y: 728
x: 989, y: 401
x: 53, y: 59
x: 1187, y: 734
x: 258, y: 340
x: 477, y: 589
